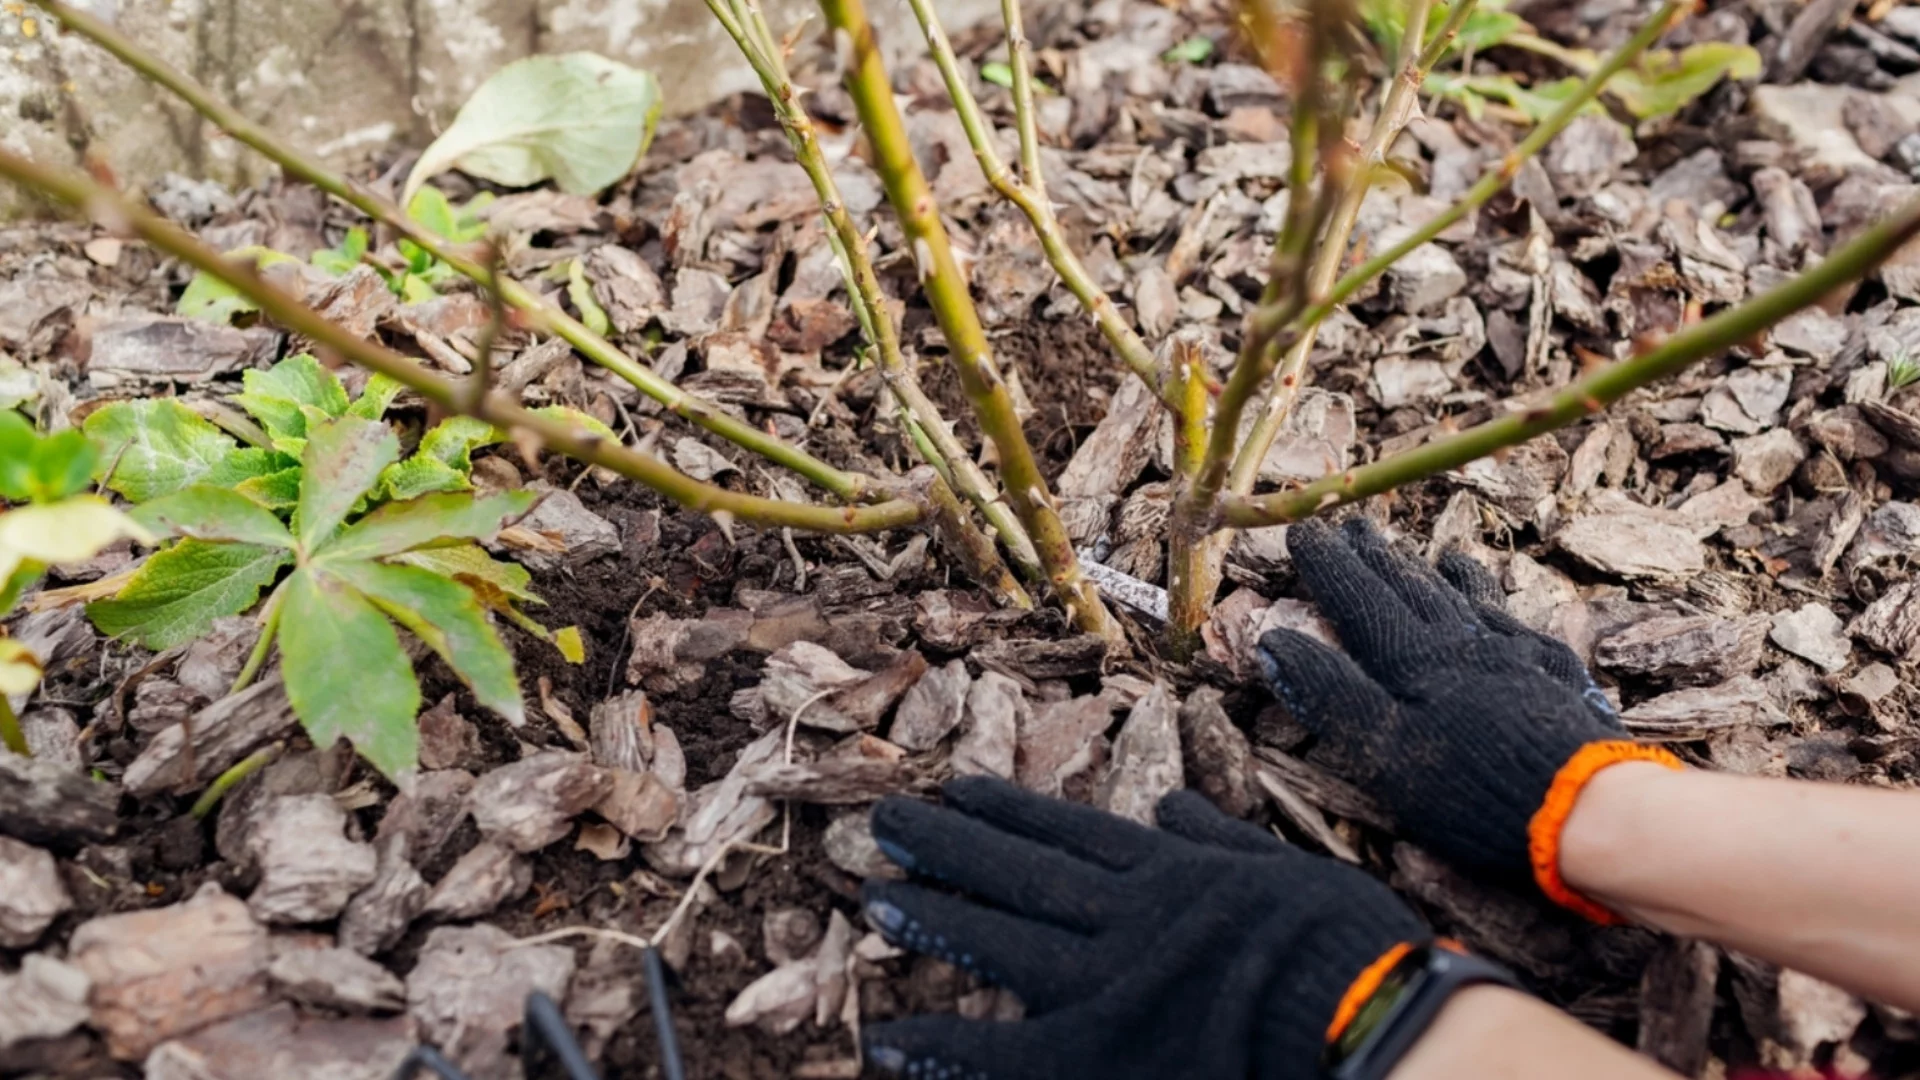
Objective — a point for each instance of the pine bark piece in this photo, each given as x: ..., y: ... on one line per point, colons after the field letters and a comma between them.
x: 484, y: 878
x: 167, y: 971
x: 44, y: 803
x: 833, y: 781
x: 378, y: 915
x: 215, y: 740
x: 1684, y: 650
x: 639, y: 804
x: 997, y: 710
x: 825, y: 692
x: 1057, y: 742
x: 282, y: 1041
x: 468, y: 993
x: 532, y: 802
x: 31, y: 893
x: 1040, y: 660
x: 718, y: 813
x: 336, y: 978
x: 931, y: 710
x: 45, y: 999
x: 1218, y: 758
x: 1676, y: 1004
x: 308, y: 868
x: 1700, y: 712
x: 1146, y: 763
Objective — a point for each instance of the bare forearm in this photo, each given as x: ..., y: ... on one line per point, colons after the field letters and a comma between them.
x: 1491, y: 1033
x: 1816, y: 877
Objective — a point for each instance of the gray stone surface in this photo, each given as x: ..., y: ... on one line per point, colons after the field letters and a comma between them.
x: 346, y: 80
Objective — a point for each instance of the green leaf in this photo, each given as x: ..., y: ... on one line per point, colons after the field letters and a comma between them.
x: 420, y: 475
x: 1484, y: 29
x: 567, y: 415
x: 275, y: 490
x: 211, y: 299
x: 498, y: 584
x: 578, y: 119
x: 280, y: 396
x: 20, y: 669
x: 155, y: 446
x: 572, y: 649
x: 377, y: 397
x: 247, y: 463
x: 346, y: 673
x: 1194, y: 50
x: 423, y: 522
x: 342, y: 461
x: 998, y: 73
x: 343, y: 259
x: 1664, y: 82
x: 177, y: 594
x: 415, y: 290
x: 454, y: 440
x: 212, y: 513
x: 12, y: 585
x: 580, y: 291
x: 17, y: 443
x: 448, y: 617
x: 62, y: 464
x: 61, y: 533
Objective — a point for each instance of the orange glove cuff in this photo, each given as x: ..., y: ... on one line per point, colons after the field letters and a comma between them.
x: 1543, y: 832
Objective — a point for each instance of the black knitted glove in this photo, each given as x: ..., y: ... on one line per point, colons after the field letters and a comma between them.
x: 1204, y: 949
x: 1474, y: 731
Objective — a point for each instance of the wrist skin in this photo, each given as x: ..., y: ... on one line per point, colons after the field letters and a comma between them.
x: 1494, y: 1033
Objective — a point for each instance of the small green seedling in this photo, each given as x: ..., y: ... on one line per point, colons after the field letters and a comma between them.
x: 1197, y: 49
x: 333, y: 616
x: 1903, y: 370
x: 52, y: 521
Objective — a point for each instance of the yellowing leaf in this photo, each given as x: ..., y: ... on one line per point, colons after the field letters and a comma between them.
x: 69, y: 531
x: 567, y: 640
x: 19, y: 668
x: 579, y: 119
x: 155, y: 446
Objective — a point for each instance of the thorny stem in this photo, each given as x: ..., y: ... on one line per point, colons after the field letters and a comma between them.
x: 111, y: 209
x: 10, y: 734
x: 748, y: 28
x: 481, y: 379
x: 1396, y: 110
x: 269, y: 629
x: 1188, y: 550
x: 1732, y: 327
x: 946, y: 290
x: 1195, y: 571
x: 231, y: 778
x: 846, y: 485
x: 1334, y: 289
x: 1028, y: 192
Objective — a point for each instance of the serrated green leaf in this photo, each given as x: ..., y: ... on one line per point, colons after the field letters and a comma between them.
x: 424, y: 522
x: 377, y: 397
x: 580, y: 119
x: 420, y: 475
x: 275, y: 490
x: 343, y: 259
x: 155, y: 446
x: 449, y: 618
x: 245, y: 464
x: 580, y: 291
x: 288, y: 396
x: 498, y: 584
x: 346, y: 673
x: 454, y: 440
x: 212, y: 513
x: 342, y: 461
x: 177, y: 593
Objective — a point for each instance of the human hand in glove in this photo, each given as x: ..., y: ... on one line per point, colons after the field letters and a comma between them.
x: 1204, y: 949
x: 1477, y: 733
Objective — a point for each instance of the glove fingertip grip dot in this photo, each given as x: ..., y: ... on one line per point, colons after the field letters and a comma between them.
x: 1543, y: 831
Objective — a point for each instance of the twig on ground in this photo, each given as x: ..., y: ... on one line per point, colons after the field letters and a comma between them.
x: 111, y: 209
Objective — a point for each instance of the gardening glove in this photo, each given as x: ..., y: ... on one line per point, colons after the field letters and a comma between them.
x: 1475, y: 732
x: 1203, y: 949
